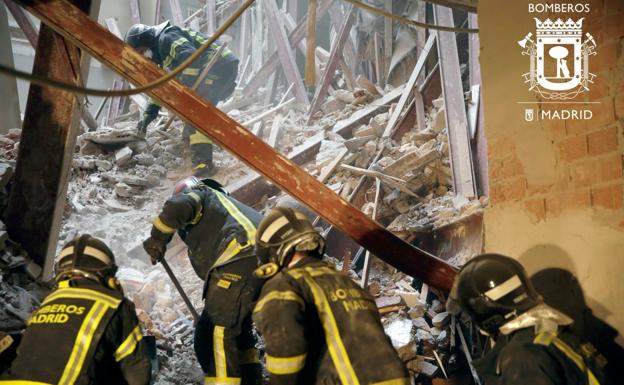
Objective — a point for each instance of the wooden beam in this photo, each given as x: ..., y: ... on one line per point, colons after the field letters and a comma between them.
x: 409, y: 87
x: 135, y: 13
x: 332, y: 63
x: 275, y: 130
x: 9, y: 108
x: 211, y: 18
x: 293, y: 8
x: 268, y: 113
x: 368, y: 258
x: 310, y: 70
x: 388, y: 39
x: 37, y: 198
x: 362, y: 115
x: 228, y: 134
x: 337, y: 17
x: 158, y: 11
x: 455, y: 108
x: 23, y: 21
x: 176, y: 13
x: 284, y: 52
x: 272, y: 61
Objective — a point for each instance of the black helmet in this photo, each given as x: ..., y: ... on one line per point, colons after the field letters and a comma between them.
x: 141, y: 35
x: 191, y: 182
x: 86, y: 257
x: 492, y: 289
x: 282, y: 232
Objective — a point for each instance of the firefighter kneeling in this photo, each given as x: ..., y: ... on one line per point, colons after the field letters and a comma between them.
x: 86, y: 331
x: 307, y: 311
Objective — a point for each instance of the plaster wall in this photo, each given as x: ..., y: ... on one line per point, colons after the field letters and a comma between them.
x: 556, y: 185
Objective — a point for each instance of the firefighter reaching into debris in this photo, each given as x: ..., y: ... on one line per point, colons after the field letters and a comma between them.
x: 533, y: 343
x: 170, y: 46
x: 307, y: 312
x: 220, y: 233
x: 86, y: 331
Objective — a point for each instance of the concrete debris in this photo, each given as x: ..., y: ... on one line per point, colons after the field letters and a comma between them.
x: 123, y: 156
x: 441, y: 319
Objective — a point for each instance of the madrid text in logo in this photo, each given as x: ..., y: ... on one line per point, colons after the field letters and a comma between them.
x: 559, y: 59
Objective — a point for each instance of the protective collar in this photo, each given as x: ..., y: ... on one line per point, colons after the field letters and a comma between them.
x: 543, y: 317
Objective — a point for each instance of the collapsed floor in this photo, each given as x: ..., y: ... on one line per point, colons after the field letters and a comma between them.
x: 120, y: 181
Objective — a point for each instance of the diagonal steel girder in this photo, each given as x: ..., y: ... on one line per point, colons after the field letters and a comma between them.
x: 87, y: 34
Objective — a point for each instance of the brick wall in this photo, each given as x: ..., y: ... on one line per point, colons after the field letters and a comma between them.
x: 588, y: 153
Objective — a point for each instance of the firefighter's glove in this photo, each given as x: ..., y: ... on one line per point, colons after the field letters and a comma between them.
x: 155, y: 248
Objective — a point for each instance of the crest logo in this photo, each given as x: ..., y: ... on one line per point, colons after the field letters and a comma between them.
x: 559, y: 60
x: 528, y: 114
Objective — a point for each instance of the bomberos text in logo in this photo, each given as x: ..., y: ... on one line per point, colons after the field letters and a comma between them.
x: 559, y: 55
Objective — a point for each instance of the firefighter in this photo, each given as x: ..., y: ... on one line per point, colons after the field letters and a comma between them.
x: 170, y: 46
x: 533, y: 342
x: 220, y: 233
x: 86, y: 331
x: 318, y: 325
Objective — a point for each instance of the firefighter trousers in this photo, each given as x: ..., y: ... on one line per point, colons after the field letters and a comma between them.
x: 218, y: 85
x: 224, y: 338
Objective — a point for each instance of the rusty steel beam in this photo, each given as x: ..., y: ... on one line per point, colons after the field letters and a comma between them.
x: 272, y: 62
x: 37, y: 198
x: 24, y: 22
x: 332, y: 62
x: 101, y: 44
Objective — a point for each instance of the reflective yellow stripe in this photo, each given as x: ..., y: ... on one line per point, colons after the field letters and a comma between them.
x: 129, y: 345
x: 337, y: 350
x: 198, y: 207
x: 249, y: 356
x: 222, y: 380
x: 198, y: 138
x: 224, y: 284
x: 169, y: 59
x: 396, y: 381
x: 162, y: 227
x: 544, y: 338
x: 250, y: 229
x: 285, y: 365
x: 22, y: 382
x: 230, y: 251
x: 191, y: 71
x: 312, y: 271
x: 577, y: 359
x: 92, y: 295
x: 219, y: 352
x: 288, y: 295
x: 82, y: 343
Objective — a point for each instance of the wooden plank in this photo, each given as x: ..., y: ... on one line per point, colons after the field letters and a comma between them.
x: 337, y: 16
x: 157, y: 12
x: 47, y: 146
x: 135, y: 13
x: 272, y: 61
x: 379, y: 60
x: 269, y: 112
x: 369, y: 257
x: 292, y: 8
x: 230, y: 135
x: 275, y: 130
x: 284, y: 52
x: 455, y: 108
x: 363, y: 115
x: 211, y: 18
x: 9, y: 108
x: 242, y: 42
x: 176, y: 13
x: 25, y: 24
x: 329, y: 169
x: 310, y: 71
x: 420, y: 110
x: 388, y: 38
x: 409, y: 87
x: 480, y: 142
x: 332, y: 63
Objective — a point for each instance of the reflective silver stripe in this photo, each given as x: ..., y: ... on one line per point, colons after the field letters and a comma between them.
x: 169, y: 59
x: 249, y: 227
x: 504, y: 288
x: 90, y: 251
x: 285, y: 365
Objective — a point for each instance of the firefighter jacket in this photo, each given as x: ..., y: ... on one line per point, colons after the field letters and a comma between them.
x: 217, y: 228
x: 174, y: 45
x: 83, y: 334
x: 320, y: 327
x: 547, y: 358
